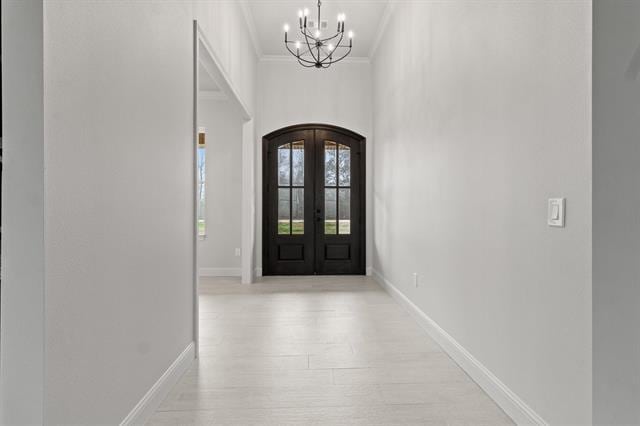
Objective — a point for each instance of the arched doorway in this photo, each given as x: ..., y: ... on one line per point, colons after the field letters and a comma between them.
x: 313, y: 201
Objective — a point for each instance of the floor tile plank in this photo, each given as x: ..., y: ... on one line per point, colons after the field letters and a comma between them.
x: 318, y: 351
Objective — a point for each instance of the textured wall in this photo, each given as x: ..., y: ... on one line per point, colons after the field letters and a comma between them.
x: 119, y: 185
x: 482, y: 113
x: 289, y: 94
x: 23, y: 210
x: 223, y: 185
x: 616, y: 201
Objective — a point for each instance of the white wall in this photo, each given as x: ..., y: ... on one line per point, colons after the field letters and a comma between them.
x: 290, y: 94
x: 223, y: 123
x: 119, y: 203
x: 119, y: 195
x: 616, y: 201
x: 23, y: 291
x: 482, y: 113
x: 224, y: 25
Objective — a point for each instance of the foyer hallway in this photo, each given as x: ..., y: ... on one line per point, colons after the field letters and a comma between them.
x: 318, y: 350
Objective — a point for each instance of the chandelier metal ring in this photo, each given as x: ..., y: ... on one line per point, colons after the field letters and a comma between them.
x: 318, y: 52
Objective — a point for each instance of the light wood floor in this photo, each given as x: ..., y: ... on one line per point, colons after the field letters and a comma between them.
x: 318, y: 351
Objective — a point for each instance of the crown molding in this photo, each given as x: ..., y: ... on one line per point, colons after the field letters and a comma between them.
x: 384, y: 22
x: 289, y: 58
x: 251, y: 27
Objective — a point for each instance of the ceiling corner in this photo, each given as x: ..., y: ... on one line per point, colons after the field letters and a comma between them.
x: 251, y: 27
x: 382, y: 25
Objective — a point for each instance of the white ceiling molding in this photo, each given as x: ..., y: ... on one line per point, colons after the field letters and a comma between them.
x: 292, y: 59
x: 251, y: 27
x: 211, y: 63
x: 382, y: 26
x: 210, y: 73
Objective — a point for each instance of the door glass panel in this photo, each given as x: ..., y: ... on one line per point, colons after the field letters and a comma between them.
x: 330, y: 207
x: 344, y: 165
x: 297, y: 163
x: 330, y: 163
x: 297, y: 211
x: 291, y: 188
x: 284, y: 211
x: 337, y: 182
x: 284, y: 165
x: 344, y: 211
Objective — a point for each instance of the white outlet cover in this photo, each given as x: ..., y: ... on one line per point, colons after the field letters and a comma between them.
x: 556, y: 212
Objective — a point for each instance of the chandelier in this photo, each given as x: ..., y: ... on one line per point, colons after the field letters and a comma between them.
x: 313, y: 49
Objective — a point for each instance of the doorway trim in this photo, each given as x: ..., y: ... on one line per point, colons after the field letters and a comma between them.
x: 248, y: 165
x: 362, y: 176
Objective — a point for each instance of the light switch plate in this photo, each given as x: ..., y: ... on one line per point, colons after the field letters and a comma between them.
x: 555, y: 212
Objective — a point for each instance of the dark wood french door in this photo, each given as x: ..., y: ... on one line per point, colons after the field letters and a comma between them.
x: 313, y: 201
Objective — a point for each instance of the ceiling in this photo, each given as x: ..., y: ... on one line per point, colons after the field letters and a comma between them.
x: 268, y: 17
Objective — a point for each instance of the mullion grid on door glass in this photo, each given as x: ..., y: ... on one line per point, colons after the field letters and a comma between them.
x: 294, y: 189
x: 333, y: 192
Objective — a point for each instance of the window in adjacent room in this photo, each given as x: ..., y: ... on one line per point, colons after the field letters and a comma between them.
x: 202, y: 155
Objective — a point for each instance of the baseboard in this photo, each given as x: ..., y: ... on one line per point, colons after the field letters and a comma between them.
x: 220, y: 272
x: 513, y: 405
x: 150, y: 402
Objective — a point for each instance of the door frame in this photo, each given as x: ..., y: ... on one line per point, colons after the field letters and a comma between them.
x: 247, y: 243
x: 362, y: 177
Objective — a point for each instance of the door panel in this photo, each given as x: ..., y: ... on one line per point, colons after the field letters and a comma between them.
x: 313, y: 201
x: 339, y: 211
x: 289, y: 213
